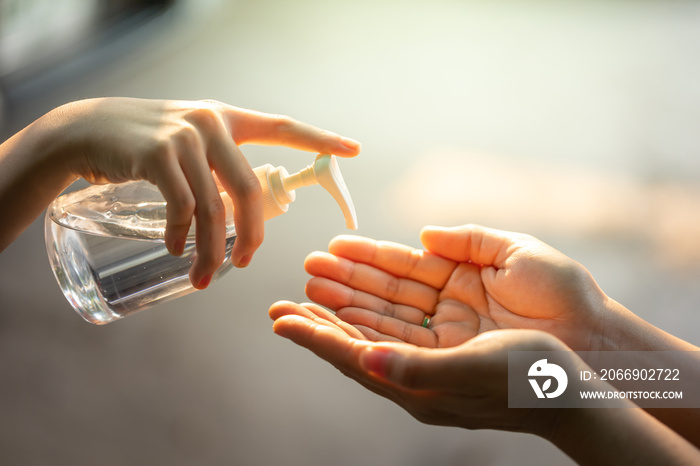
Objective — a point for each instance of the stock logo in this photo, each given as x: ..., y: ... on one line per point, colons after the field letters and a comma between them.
x: 543, y: 371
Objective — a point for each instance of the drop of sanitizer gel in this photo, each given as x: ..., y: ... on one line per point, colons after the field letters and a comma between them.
x: 106, y: 243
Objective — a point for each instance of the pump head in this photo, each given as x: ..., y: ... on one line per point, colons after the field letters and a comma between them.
x: 278, y: 186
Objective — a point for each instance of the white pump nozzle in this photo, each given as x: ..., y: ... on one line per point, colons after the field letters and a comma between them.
x: 278, y: 186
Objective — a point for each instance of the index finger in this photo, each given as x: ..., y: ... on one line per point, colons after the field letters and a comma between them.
x: 397, y: 259
x: 252, y: 127
x: 475, y: 243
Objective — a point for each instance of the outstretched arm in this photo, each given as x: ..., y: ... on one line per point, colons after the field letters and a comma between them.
x: 472, y: 279
x: 173, y: 144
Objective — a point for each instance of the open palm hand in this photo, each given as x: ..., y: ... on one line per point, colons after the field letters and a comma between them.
x: 470, y: 280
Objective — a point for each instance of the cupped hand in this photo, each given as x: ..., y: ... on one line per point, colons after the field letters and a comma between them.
x: 470, y: 280
x: 465, y: 386
x: 178, y: 145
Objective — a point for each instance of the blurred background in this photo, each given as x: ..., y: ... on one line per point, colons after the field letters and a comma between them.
x: 575, y: 121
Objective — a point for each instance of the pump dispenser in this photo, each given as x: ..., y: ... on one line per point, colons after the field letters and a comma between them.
x: 278, y: 187
x: 106, y: 243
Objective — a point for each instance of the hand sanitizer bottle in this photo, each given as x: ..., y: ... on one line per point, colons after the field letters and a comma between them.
x: 106, y: 242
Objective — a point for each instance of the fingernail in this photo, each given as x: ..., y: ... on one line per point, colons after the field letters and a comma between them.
x: 375, y: 361
x: 350, y: 143
x: 245, y: 261
x: 204, y: 282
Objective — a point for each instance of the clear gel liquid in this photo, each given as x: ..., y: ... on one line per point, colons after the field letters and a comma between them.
x: 109, y: 257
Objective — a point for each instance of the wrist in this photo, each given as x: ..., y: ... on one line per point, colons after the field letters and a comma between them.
x: 48, y: 153
x: 624, y: 435
x: 34, y: 154
x: 32, y: 175
x: 62, y: 134
x: 619, y: 329
x: 610, y: 326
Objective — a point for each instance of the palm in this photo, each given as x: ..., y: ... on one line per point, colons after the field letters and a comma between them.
x: 475, y: 300
x: 386, y: 290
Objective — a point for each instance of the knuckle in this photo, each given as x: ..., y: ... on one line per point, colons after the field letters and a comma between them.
x: 160, y: 153
x: 393, y: 287
x: 283, y: 123
x: 212, y: 102
x: 248, y: 188
x: 389, y: 309
x: 206, y: 117
x: 412, y: 261
x: 163, y: 149
x: 188, y: 137
x: 212, y: 212
x: 255, y: 238
x: 183, y: 204
x: 213, y: 259
x: 406, y: 333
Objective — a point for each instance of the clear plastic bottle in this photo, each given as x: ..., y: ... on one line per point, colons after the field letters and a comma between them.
x: 106, y: 243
